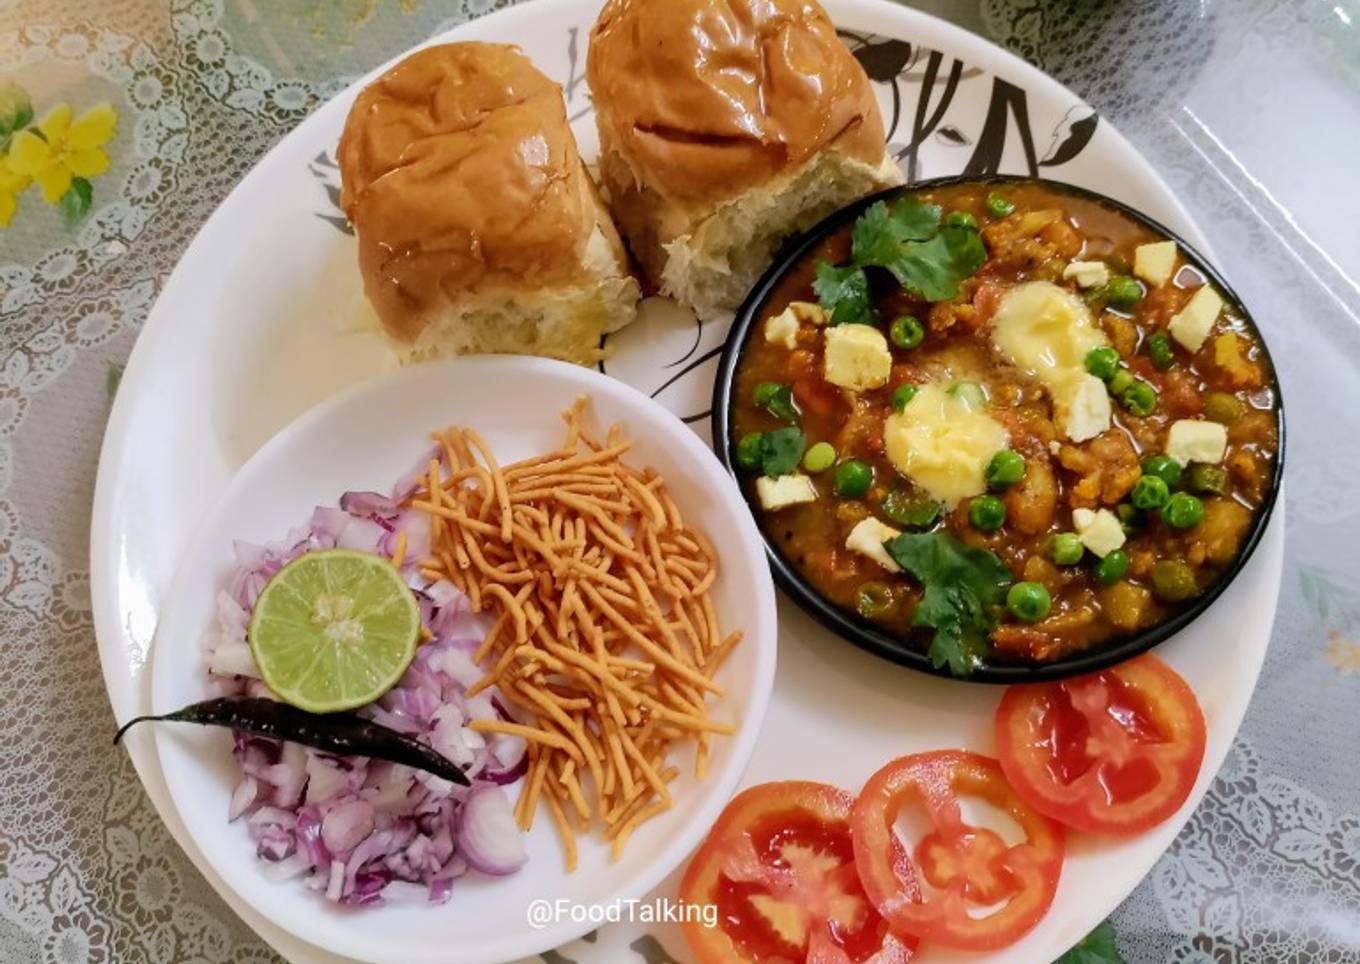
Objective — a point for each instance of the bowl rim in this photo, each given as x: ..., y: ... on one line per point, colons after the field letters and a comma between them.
x: 874, y: 640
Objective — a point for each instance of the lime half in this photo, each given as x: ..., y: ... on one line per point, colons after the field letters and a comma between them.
x: 334, y: 629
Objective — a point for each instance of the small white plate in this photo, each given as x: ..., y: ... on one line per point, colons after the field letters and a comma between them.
x: 368, y: 438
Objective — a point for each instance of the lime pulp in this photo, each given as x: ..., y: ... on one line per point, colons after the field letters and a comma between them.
x: 334, y: 630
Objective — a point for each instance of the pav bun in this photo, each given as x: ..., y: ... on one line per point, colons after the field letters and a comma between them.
x: 725, y: 127
x: 479, y: 227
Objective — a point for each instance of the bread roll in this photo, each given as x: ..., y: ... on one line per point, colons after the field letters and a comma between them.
x: 725, y: 127
x: 479, y: 228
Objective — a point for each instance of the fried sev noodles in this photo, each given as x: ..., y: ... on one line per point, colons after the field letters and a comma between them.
x: 604, y: 632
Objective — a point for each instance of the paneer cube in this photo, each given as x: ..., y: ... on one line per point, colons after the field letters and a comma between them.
x: 857, y: 357
x: 1195, y: 440
x: 1155, y: 263
x: 1083, y: 407
x: 786, y: 490
x: 867, y: 538
x: 782, y: 329
x: 1087, y: 274
x: 1099, y: 531
x: 1192, y: 324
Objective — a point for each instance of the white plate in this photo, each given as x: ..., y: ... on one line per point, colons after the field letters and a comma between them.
x: 264, y: 317
x: 366, y: 439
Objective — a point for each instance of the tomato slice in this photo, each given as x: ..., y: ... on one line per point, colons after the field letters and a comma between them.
x: 780, y: 866
x: 1111, y: 753
x: 968, y: 869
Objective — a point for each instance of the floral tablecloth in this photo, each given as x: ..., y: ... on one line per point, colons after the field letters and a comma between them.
x: 124, y: 122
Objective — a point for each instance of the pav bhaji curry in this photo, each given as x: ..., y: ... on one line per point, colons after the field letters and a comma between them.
x: 1004, y: 421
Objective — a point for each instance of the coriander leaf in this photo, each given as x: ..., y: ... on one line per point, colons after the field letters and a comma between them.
x: 963, y: 588
x: 915, y: 220
x: 844, y: 293
x: 781, y: 450
x: 878, y: 234
x: 934, y: 268
x: 873, y: 239
x: 950, y: 647
x: 1097, y: 947
x: 777, y: 399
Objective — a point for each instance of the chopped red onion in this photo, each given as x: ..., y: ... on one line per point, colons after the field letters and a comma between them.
x: 335, y: 889
x: 345, y: 827
x: 309, y: 838
x: 369, y: 503
x: 242, y: 797
x: 232, y: 658
x: 362, y: 830
x: 363, y: 534
x: 487, y: 834
x: 324, y: 779
x: 283, y: 819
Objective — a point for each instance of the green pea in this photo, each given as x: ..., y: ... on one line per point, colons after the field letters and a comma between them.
x: 1222, y: 408
x: 1121, y: 381
x: 820, y: 457
x: 987, y: 513
x: 1159, y: 350
x: 1165, y: 468
x: 1006, y: 468
x: 1173, y: 580
x: 998, y: 205
x: 903, y: 394
x: 1028, y: 601
x: 1207, y: 478
x: 1123, y: 292
x: 1066, y: 549
x: 1140, y: 398
x: 906, y: 332
x: 1102, y: 362
x: 873, y: 599
x: 748, y: 451
x: 1150, y: 492
x: 1130, y: 518
x: 1112, y: 568
x: 777, y: 399
x: 906, y: 509
x: 852, y: 479
x: 969, y: 392
x: 1183, y: 511
x: 959, y: 219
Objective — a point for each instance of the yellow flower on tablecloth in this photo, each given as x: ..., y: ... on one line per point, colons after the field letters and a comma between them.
x: 68, y: 148
x: 1343, y: 653
x: 11, y: 186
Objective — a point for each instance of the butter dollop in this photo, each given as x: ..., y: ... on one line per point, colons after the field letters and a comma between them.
x: 942, y: 444
x: 1046, y: 331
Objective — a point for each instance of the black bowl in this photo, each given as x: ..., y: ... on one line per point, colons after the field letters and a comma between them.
x: 865, y: 634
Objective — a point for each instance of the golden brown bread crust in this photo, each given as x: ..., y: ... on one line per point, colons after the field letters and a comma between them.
x: 703, y: 99
x: 460, y: 174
